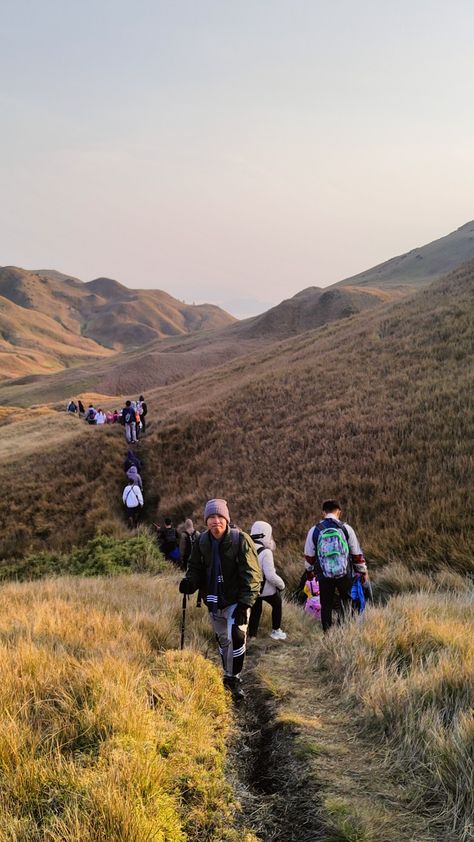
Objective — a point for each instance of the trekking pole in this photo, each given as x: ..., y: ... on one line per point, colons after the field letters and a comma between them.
x: 371, y: 593
x: 183, y: 621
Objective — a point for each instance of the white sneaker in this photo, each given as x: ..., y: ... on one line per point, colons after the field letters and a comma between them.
x: 278, y: 634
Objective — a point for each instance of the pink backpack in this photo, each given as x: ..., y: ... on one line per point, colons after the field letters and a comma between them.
x: 313, y: 604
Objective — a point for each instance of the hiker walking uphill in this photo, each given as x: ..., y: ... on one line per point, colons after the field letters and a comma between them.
x: 333, y: 551
x: 187, y: 539
x: 133, y: 501
x: 224, y: 567
x: 168, y: 541
x: 273, y: 584
x: 129, y: 422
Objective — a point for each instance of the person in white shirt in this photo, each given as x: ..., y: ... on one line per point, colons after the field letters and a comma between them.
x: 333, y: 551
x: 132, y: 498
x: 273, y: 584
x: 100, y: 417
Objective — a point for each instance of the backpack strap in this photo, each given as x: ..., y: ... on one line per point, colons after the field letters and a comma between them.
x: 260, y: 549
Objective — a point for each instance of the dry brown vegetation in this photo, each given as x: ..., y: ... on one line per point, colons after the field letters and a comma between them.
x: 374, y: 410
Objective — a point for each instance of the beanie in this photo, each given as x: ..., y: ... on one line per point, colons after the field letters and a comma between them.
x: 216, y: 507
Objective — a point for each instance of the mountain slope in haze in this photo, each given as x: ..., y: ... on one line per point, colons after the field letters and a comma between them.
x: 420, y: 266
x: 313, y: 307
x: 104, y: 311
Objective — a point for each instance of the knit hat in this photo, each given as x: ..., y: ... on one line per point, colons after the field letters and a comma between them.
x: 216, y: 507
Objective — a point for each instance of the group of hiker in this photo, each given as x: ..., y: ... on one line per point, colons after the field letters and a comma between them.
x: 234, y: 573
x: 132, y: 416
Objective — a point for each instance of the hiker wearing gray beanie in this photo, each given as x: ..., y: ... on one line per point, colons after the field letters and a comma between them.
x: 224, y: 567
x: 217, y: 506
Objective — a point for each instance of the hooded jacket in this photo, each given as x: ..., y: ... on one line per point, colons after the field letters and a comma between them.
x: 240, y: 567
x: 261, y: 534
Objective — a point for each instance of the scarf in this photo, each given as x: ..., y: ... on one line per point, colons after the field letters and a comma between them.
x: 215, y: 579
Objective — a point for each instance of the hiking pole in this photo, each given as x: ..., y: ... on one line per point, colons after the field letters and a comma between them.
x: 183, y: 621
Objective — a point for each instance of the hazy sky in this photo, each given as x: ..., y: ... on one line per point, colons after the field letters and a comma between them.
x: 232, y: 152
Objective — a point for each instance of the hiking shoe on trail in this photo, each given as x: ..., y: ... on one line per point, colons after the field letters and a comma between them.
x: 278, y: 634
x: 233, y: 683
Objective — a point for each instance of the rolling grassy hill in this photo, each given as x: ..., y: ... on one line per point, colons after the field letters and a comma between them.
x: 371, y: 409
x: 49, y: 320
x: 421, y: 265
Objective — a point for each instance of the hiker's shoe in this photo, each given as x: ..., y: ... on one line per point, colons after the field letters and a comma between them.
x: 278, y: 634
x: 233, y: 683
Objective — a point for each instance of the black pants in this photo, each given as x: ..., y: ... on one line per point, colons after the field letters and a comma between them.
x: 133, y: 515
x: 256, y: 612
x: 327, y: 589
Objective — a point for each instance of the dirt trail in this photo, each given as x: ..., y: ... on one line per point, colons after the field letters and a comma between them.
x: 304, y: 772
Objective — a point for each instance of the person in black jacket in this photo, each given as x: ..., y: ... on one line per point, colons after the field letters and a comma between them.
x: 168, y: 541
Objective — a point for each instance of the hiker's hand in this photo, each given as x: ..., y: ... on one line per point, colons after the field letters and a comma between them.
x: 186, y: 586
x: 363, y: 578
x: 241, y: 614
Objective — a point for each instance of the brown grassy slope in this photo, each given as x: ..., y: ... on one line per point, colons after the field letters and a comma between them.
x: 374, y: 410
x: 104, y: 310
x: 33, y: 342
x: 314, y: 307
x: 422, y: 265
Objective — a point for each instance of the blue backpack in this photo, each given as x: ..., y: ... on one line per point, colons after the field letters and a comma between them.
x: 331, y: 543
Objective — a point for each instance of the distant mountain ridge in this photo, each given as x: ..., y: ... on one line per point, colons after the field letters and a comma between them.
x: 421, y: 265
x: 49, y: 321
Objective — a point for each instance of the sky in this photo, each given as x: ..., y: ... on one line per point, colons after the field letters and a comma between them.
x: 233, y: 153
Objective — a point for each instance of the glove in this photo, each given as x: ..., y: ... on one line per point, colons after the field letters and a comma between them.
x: 240, y: 614
x: 186, y: 586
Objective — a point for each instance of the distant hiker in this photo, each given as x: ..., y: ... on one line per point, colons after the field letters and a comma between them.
x: 116, y: 416
x: 224, y: 567
x: 109, y: 417
x: 134, y: 476
x: 91, y: 414
x: 168, y: 541
x: 128, y: 416
x: 72, y: 406
x: 187, y: 539
x: 80, y: 405
x: 100, y: 417
x: 273, y: 584
x: 333, y: 551
x: 131, y: 459
x: 133, y: 501
x: 143, y: 411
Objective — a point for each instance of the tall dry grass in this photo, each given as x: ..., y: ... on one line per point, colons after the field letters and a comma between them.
x: 103, y: 735
x: 406, y: 672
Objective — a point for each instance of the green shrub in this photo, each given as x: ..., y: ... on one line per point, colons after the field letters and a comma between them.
x: 101, y: 556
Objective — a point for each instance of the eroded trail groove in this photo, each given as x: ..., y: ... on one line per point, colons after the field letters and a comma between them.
x: 302, y: 770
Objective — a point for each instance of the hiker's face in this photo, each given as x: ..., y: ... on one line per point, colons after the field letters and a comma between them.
x: 217, y: 525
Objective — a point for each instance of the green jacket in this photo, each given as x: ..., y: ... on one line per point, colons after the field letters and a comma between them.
x: 239, y: 563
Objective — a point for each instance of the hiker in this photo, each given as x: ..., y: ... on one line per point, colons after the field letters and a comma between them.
x: 142, y: 411
x: 132, y: 498
x: 80, y: 405
x: 72, y: 406
x: 134, y: 476
x: 333, y: 552
x: 109, y: 417
x: 100, y: 417
x: 187, y: 539
x: 273, y: 584
x: 128, y: 417
x: 131, y: 459
x: 224, y: 567
x: 168, y: 541
x: 90, y: 415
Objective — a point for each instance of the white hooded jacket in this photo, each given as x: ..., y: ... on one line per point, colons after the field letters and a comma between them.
x: 273, y: 582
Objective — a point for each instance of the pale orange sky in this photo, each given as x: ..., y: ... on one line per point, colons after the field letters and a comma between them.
x: 234, y: 153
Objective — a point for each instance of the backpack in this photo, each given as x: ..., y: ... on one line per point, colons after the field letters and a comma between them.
x: 331, y: 543
x: 313, y: 603
x: 189, y: 540
x: 129, y: 415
